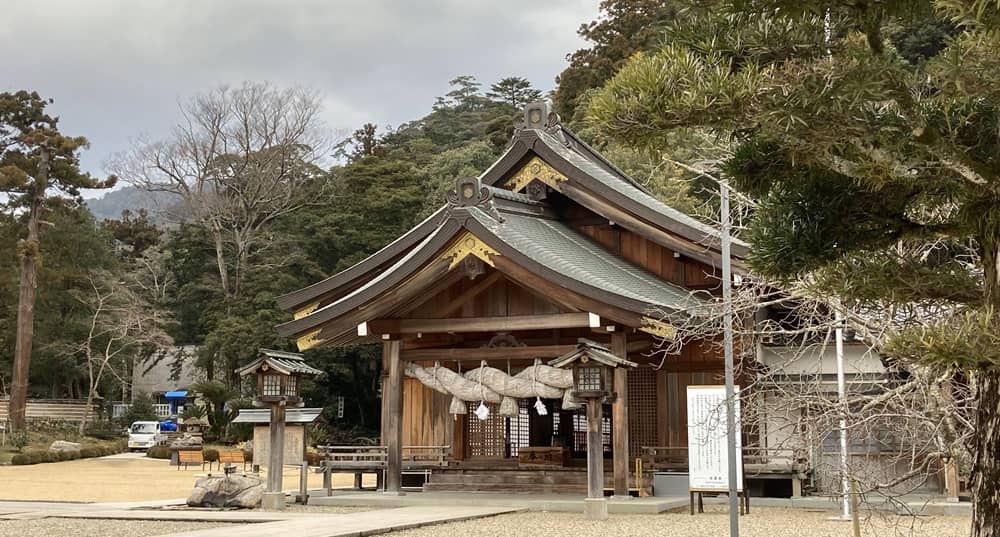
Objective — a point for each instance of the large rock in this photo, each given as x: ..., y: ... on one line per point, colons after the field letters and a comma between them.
x: 62, y: 445
x: 187, y: 441
x: 227, y: 491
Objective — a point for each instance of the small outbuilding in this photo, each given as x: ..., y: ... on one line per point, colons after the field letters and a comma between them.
x: 296, y: 420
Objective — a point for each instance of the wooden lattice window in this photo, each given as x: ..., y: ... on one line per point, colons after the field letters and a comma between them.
x: 499, y: 437
x: 580, y: 431
x: 518, y: 428
x: 641, y: 409
x: 272, y: 384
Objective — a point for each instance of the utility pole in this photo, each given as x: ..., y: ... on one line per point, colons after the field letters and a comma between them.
x: 727, y: 304
x: 842, y: 403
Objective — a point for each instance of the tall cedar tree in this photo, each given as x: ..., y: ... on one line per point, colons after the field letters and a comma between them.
x: 39, y: 168
x: 854, y: 151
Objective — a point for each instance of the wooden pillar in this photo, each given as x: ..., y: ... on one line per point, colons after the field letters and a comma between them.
x: 276, y: 449
x: 393, y: 397
x: 619, y: 417
x: 951, y: 485
x: 595, y: 450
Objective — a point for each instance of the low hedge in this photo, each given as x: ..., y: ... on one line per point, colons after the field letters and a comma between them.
x: 158, y: 452
x: 37, y: 456
x: 211, y: 455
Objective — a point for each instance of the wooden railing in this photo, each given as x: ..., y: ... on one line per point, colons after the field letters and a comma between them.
x: 756, y: 460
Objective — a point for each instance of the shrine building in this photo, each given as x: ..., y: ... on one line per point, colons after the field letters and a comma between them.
x: 550, y: 250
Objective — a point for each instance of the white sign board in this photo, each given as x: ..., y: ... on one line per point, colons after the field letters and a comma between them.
x: 708, y: 455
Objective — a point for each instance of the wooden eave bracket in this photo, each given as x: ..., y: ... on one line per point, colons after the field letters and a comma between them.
x: 658, y: 328
x: 308, y: 340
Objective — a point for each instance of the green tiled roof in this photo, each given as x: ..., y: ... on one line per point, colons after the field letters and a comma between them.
x: 572, y: 255
x: 710, y: 235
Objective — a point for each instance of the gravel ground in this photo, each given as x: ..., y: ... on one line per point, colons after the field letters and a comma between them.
x: 117, y: 479
x: 65, y: 527
x: 762, y: 522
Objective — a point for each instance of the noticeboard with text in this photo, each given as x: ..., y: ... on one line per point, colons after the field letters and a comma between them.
x: 708, y: 456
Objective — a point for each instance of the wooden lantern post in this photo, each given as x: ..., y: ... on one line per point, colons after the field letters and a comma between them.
x: 593, y: 366
x: 279, y: 380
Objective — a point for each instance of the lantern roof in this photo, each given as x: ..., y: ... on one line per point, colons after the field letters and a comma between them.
x: 587, y: 350
x: 287, y: 363
x: 263, y: 415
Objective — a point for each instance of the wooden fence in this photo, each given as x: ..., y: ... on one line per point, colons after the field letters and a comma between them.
x: 51, y: 409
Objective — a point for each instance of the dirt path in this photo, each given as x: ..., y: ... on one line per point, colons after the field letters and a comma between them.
x: 120, y: 478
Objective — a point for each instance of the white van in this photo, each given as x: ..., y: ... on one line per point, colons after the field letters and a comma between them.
x: 144, y: 435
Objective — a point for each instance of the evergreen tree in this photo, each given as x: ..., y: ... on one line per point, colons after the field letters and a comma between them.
x: 624, y: 28
x: 39, y: 168
x: 515, y: 91
x: 877, y: 174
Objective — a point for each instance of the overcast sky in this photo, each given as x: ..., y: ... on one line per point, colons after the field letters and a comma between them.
x: 116, y: 69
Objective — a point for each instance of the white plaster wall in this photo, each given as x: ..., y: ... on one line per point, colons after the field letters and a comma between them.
x: 819, y: 359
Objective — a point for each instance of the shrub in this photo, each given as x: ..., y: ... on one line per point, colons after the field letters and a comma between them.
x: 141, y: 409
x: 106, y: 450
x: 36, y: 457
x: 211, y: 455
x: 19, y: 440
x: 248, y: 454
x: 57, y: 456
x: 74, y: 454
x: 313, y: 458
x: 20, y: 459
x: 158, y: 452
x: 90, y: 452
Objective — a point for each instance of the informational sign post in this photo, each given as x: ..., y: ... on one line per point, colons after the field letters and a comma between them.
x: 708, y: 459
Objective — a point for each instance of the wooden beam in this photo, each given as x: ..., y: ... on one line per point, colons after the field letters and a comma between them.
x: 619, y: 417
x: 562, y: 295
x: 488, y: 353
x: 479, y: 324
x: 467, y: 295
x: 394, y: 427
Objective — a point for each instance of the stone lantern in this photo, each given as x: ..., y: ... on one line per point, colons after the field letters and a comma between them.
x: 593, y: 365
x: 279, y: 381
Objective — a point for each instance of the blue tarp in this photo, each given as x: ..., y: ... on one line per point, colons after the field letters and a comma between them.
x: 168, y: 426
x: 180, y: 394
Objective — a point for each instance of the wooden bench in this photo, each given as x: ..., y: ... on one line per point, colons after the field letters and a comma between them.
x: 232, y: 456
x: 187, y: 457
x: 359, y: 460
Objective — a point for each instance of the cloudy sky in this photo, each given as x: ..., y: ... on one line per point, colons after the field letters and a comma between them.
x: 116, y: 69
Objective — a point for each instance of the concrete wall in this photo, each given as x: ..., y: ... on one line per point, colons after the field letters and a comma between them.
x: 295, y: 442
